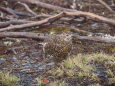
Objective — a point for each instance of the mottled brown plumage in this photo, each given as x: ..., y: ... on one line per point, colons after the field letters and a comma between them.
x: 58, y: 46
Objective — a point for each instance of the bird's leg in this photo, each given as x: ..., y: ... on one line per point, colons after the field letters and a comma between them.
x: 43, y: 51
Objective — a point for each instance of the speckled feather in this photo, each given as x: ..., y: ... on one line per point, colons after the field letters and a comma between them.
x: 58, y: 46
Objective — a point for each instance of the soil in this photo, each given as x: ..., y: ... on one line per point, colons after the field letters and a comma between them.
x: 24, y: 57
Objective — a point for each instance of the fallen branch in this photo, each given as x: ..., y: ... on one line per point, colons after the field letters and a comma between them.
x: 22, y: 35
x: 58, y: 16
x: 98, y: 39
x: 15, y: 12
x: 42, y: 38
x: 47, y: 20
x: 8, y: 10
x: 44, y: 5
x: 51, y: 7
x: 104, y: 4
x: 13, y: 22
x: 27, y: 8
x: 63, y: 19
x: 21, y: 13
x: 77, y: 30
x: 92, y: 16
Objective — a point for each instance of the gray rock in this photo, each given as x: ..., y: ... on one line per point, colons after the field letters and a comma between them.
x: 2, y: 60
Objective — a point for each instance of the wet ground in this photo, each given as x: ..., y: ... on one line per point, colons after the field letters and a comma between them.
x: 24, y: 57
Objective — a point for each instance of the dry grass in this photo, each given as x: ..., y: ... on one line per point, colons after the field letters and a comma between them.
x: 6, y: 79
x: 83, y: 70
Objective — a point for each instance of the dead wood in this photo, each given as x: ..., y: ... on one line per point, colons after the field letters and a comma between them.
x: 44, y: 5
x: 15, y: 13
x: 92, y: 16
x: 106, y: 5
x: 22, y: 35
x: 4, y: 18
x: 9, y: 11
x: 47, y: 20
x: 98, y: 39
x: 63, y: 19
x: 58, y: 16
x: 27, y: 8
x: 48, y: 6
x: 21, y: 13
x: 42, y: 38
x: 13, y: 22
x: 77, y: 30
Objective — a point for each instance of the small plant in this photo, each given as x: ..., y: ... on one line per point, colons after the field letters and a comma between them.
x: 6, y: 79
x: 95, y: 85
x: 42, y: 82
x: 82, y: 70
x: 58, y: 83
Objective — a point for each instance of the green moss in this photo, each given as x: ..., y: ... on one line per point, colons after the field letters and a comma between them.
x: 52, y: 30
x: 83, y: 69
x: 7, y: 79
x: 95, y: 85
x: 58, y: 83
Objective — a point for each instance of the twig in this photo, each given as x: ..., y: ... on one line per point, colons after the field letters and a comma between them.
x: 44, y: 5
x: 13, y: 22
x: 22, y: 35
x: 21, y: 13
x: 58, y: 16
x: 8, y: 10
x: 77, y: 30
x: 104, y: 4
x: 42, y: 38
x: 92, y: 16
x: 27, y: 8
x: 99, y: 39
x: 47, y: 20
x: 14, y: 12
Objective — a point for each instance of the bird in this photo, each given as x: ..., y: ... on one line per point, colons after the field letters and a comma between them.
x: 58, y: 47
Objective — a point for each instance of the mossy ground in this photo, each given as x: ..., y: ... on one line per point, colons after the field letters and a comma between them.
x: 6, y: 79
x: 83, y: 70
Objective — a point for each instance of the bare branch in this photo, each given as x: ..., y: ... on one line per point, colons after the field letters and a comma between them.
x: 22, y: 35
x: 98, y: 39
x: 50, y: 19
x: 8, y: 10
x: 13, y: 22
x: 58, y: 16
x: 104, y: 4
x: 27, y: 8
x: 42, y: 38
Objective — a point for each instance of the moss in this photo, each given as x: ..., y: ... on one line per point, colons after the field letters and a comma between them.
x: 58, y: 83
x: 58, y: 72
x: 84, y: 70
x: 6, y: 79
x: 95, y: 85
x: 52, y: 30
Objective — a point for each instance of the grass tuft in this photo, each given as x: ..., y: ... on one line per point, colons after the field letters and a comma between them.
x: 84, y: 70
x: 6, y: 79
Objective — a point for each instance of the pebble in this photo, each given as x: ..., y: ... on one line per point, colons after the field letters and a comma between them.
x: 2, y: 60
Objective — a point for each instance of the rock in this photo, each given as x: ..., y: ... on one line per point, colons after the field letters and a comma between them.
x: 2, y: 60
